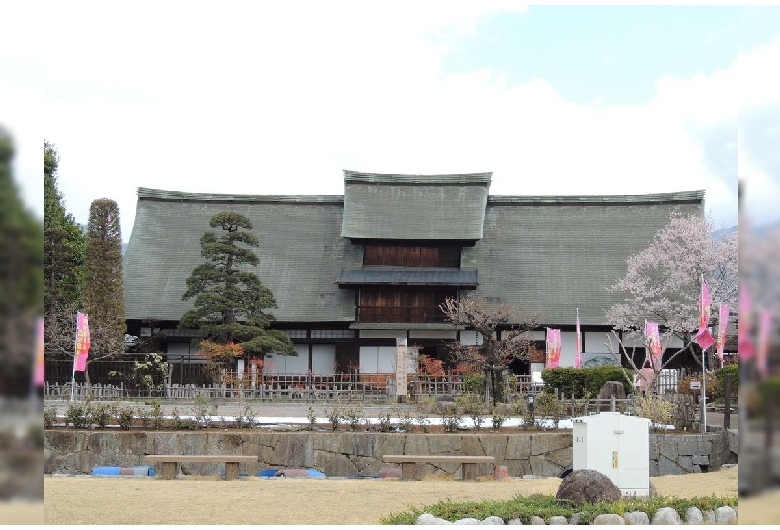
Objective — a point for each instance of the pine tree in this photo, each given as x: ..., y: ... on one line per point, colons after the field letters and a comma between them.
x: 230, y: 301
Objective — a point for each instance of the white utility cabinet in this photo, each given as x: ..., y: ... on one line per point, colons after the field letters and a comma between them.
x: 617, y: 446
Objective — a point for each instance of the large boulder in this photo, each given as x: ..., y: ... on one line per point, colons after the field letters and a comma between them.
x: 612, y: 388
x: 588, y: 485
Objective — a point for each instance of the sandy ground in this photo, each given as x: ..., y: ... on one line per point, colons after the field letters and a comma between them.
x: 120, y: 500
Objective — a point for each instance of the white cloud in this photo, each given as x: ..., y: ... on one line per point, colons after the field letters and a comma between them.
x: 243, y: 99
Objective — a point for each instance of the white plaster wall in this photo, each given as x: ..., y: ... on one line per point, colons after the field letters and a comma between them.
x: 323, y: 359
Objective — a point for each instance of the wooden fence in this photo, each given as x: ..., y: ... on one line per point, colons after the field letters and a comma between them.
x: 355, y: 386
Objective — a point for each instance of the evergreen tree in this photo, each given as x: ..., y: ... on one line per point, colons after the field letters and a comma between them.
x: 21, y: 286
x: 229, y: 300
x: 103, y: 290
x: 64, y: 241
x: 63, y: 261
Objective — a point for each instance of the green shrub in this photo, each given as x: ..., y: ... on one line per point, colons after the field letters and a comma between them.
x: 49, y: 416
x: 578, y: 381
x: 125, y: 417
x: 312, y: 419
x: 546, y: 405
x: 156, y: 415
x: 545, y: 506
x: 78, y: 415
x: 335, y: 417
x: 450, y: 416
x: 474, y: 383
x: 355, y: 418
x: 101, y: 413
x: 657, y: 410
x: 473, y: 407
x: 720, y: 375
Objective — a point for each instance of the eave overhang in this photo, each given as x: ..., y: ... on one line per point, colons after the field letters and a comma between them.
x: 411, y: 276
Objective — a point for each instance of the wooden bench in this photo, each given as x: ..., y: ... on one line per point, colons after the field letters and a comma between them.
x: 409, y: 463
x: 169, y: 463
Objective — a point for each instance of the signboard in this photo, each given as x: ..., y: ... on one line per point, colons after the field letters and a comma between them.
x: 695, y: 385
x: 400, y: 367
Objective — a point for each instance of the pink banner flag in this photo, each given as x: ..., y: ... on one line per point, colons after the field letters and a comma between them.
x: 704, y: 338
x: 762, y: 347
x: 723, y: 322
x: 83, y: 342
x: 745, y: 348
x: 578, y: 354
x: 553, y: 348
x: 654, y: 344
x: 39, y: 358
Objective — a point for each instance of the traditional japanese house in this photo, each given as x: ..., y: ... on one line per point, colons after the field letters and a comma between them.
x: 353, y: 273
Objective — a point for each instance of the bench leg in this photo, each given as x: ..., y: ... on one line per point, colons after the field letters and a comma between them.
x: 407, y: 470
x: 469, y: 471
x: 169, y: 470
x: 231, y: 470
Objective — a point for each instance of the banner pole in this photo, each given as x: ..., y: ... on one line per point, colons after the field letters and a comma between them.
x: 75, y: 356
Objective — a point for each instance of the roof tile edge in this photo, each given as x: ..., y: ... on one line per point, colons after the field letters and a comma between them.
x: 680, y: 196
x: 149, y: 193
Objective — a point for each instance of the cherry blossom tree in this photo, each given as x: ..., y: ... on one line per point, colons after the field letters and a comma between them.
x: 663, y: 281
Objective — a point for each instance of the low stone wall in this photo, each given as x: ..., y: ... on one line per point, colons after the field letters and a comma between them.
x: 348, y: 454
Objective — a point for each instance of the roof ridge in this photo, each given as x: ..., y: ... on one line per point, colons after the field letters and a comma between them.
x: 693, y: 195
x: 418, y: 179
x: 150, y: 193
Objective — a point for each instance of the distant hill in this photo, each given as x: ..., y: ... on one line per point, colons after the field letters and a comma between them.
x: 724, y: 232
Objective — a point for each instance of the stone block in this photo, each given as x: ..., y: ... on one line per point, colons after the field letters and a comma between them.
x: 693, y: 515
x: 549, y: 442
x: 495, y: 445
x: 654, y: 451
x: 608, y: 518
x: 636, y: 518
x: 562, y: 457
x: 686, y: 463
x: 668, y: 449
x: 557, y: 519
x: 701, y: 460
x: 725, y: 515
x: 669, y: 467
x: 666, y: 515
x: 542, y: 467
x: 535, y: 519
x: 518, y: 447
x: 654, y: 468
x: 472, y: 446
x: 417, y: 444
x: 443, y: 444
x: 365, y: 444
x: 514, y: 521
x: 492, y: 520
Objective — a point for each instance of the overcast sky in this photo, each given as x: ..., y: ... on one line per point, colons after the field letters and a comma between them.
x: 280, y: 97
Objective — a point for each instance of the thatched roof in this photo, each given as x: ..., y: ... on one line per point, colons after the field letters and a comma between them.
x: 546, y: 255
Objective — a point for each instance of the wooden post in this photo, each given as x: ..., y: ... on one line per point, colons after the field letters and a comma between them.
x: 727, y: 399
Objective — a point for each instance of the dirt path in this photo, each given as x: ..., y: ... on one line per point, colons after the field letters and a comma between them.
x: 116, y: 500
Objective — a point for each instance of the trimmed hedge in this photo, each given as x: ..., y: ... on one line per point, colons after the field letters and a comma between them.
x: 720, y: 375
x: 577, y: 381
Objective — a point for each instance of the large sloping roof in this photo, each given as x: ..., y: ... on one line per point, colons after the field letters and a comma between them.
x: 419, y: 207
x: 545, y: 255
x: 551, y: 255
x: 300, y: 252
